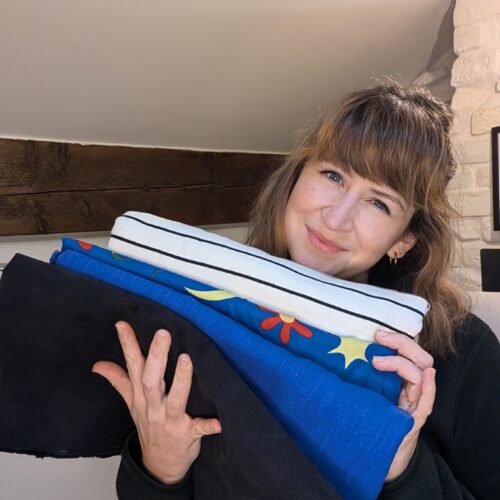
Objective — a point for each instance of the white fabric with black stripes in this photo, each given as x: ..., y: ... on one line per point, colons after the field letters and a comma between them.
x: 331, y: 304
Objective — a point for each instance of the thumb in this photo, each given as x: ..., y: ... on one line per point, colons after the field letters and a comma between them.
x: 117, y: 377
x: 206, y: 426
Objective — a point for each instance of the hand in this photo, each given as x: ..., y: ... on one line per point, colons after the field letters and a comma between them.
x: 170, y: 439
x: 414, y: 366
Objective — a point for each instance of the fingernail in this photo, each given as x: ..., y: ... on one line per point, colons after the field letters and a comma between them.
x: 381, y: 333
x: 378, y: 359
x: 161, y: 333
x: 184, y: 358
x: 118, y: 327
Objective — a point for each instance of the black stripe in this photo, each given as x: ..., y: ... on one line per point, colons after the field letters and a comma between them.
x: 366, y: 294
x: 257, y: 280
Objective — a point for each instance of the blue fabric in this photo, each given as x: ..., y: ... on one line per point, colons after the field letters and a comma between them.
x: 350, y: 433
x: 301, y: 339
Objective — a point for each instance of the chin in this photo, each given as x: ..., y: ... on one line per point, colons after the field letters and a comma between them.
x: 312, y: 262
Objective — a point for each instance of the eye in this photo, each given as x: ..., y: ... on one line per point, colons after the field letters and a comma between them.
x: 332, y: 175
x: 381, y: 206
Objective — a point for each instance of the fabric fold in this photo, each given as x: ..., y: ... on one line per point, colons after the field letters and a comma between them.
x: 350, y: 433
x: 348, y: 358
x: 356, y: 310
x: 54, y: 324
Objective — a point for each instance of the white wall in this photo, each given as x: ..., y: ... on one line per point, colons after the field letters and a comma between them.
x: 215, y: 75
x: 42, y: 246
x: 26, y: 478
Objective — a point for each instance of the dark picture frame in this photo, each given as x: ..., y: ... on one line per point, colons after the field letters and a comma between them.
x: 495, y: 147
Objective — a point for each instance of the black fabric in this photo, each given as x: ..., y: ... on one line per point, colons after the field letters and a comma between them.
x: 457, y: 454
x: 386, y: 275
x: 428, y: 476
x: 134, y: 482
x: 55, y: 324
x: 459, y: 447
x: 461, y: 439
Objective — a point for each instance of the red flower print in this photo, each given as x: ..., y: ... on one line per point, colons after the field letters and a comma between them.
x: 85, y: 246
x: 289, y: 324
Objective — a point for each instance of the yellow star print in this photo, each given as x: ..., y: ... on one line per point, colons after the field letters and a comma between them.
x: 351, y: 349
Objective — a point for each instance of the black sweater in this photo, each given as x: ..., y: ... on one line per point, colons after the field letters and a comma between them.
x: 459, y: 448
x: 458, y: 454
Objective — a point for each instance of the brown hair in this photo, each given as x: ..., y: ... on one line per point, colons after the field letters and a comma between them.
x: 398, y: 136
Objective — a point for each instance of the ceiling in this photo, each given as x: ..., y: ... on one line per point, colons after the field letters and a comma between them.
x: 198, y: 74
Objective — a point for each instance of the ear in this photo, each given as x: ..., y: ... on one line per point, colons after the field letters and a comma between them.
x: 403, y: 245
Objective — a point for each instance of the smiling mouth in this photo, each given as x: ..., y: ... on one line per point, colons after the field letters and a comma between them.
x: 323, y: 244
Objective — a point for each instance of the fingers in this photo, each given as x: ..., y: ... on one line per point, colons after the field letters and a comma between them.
x: 410, y: 396
x: 419, y: 400
x: 133, y: 355
x: 426, y: 402
x: 117, y: 377
x: 402, y: 366
x: 181, y: 385
x: 406, y: 347
x: 143, y: 388
x: 409, y: 372
x: 409, y: 364
x: 154, y: 369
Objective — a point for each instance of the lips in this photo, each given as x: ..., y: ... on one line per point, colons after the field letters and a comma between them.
x: 321, y: 243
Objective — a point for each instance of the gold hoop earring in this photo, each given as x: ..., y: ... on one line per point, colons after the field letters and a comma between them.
x: 393, y: 260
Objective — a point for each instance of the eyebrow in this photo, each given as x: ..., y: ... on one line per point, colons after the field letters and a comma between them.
x: 390, y: 197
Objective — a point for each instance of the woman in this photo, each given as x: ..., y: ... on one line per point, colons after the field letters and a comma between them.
x: 366, y: 185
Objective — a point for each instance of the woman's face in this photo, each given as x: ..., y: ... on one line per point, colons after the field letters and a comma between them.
x: 343, y: 224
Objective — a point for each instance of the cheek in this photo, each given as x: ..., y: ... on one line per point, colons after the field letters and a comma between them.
x: 290, y: 218
x: 294, y: 206
x: 376, y: 236
x: 298, y: 208
x: 306, y: 196
x: 380, y: 237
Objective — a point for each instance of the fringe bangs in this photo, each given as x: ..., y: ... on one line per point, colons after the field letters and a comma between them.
x: 381, y: 140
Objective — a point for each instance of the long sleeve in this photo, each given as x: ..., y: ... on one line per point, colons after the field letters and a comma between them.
x: 134, y: 483
x: 427, y: 476
x: 457, y: 455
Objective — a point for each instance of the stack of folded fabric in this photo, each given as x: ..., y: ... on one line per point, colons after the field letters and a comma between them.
x: 300, y: 340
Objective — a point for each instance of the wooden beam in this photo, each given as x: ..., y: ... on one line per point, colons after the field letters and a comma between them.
x: 49, y: 187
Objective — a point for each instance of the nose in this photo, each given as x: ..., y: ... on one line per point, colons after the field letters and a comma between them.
x: 339, y: 215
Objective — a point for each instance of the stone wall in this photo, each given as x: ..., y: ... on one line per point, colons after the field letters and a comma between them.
x: 476, y: 105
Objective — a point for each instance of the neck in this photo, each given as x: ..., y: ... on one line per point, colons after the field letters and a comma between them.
x: 360, y: 278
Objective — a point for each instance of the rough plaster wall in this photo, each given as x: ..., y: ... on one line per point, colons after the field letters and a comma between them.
x: 476, y: 105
